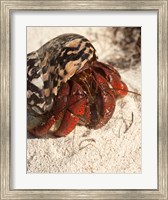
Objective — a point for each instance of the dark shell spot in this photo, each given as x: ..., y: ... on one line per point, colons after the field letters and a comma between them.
x: 90, y: 51
x: 53, y: 61
x: 52, y: 76
x: 36, y: 99
x: 55, y: 83
x: 44, y: 70
x: 65, y: 72
x: 60, y: 77
x: 48, y: 100
x: 31, y: 62
x: 56, y: 71
x: 84, y: 57
x: 47, y: 84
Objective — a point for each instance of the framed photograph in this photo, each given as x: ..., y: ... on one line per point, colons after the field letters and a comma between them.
x: 84, y: 99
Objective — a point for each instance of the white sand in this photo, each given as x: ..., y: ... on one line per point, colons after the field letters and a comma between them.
x: 115, y: 148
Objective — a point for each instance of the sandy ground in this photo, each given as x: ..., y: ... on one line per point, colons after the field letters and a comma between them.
x: 115, y: 148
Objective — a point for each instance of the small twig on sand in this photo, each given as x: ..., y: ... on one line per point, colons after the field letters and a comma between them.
x: 92, y: 140
x: 88, y: 140
x: 129, y: 126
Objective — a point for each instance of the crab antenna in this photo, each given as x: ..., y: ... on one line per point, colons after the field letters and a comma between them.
x: 128, y: 91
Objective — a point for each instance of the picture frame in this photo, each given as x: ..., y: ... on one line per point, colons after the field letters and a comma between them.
x: 7, y: 7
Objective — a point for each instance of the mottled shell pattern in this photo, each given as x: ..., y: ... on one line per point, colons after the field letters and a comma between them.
x: 51, y: 65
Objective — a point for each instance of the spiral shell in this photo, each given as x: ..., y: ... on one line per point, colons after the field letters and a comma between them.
x: 53, y: 64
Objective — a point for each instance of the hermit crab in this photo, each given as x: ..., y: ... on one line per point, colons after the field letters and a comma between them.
x: 68, y: 86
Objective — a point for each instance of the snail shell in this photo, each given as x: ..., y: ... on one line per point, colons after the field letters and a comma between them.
x: 53, y: 64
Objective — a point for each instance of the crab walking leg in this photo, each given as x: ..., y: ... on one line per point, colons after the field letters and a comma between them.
x: 108, y: 102
x: 77, y: 100
x: 42, y: 130
x: 76, y: 108
x: 68, y: 124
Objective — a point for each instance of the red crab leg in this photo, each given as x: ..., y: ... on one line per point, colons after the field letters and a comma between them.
x: 86, y: 118
x: 77, y: 100
x: 68, y: 124
x: 43, y: 129
x: 107, y: 101
x: 76, y: 108
x: 114, y: 78
x: 120, y: 87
